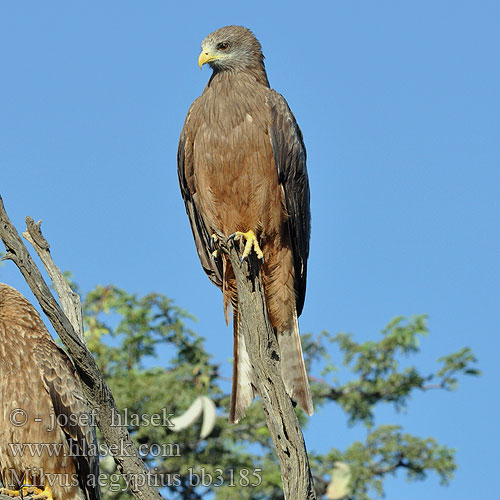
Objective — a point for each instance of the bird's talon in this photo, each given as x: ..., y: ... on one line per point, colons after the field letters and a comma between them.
x: 45, y: 494
x: 250, y: 243
x: 9, y: 493
x: 27, y: 490
x: 213, y: 240
x: 230, y: 240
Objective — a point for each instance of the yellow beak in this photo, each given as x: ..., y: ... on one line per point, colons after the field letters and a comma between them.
x: 206, y: 56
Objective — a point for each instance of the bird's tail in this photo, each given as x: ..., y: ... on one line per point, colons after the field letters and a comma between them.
x: 293, y: 371
x: 242, y: 392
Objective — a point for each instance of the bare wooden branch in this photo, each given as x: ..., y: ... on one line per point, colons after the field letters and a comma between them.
x: 263, y: 351
x: 96, y: 390
x: 260, y: 339
x: 70, y: 301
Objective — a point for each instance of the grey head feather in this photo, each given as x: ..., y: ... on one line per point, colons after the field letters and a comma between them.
x: 238, y: 45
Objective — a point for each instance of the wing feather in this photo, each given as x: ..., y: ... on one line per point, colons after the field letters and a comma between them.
x: 67, y: 397
x: 290, y: 158
x: 212, y: 266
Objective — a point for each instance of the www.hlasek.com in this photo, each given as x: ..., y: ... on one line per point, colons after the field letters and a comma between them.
x: 75, y: 449
x: 115, y: 482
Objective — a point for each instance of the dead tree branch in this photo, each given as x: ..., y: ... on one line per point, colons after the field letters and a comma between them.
x: 96, y: 390
x: 70, y: 301
x: 263, y: 351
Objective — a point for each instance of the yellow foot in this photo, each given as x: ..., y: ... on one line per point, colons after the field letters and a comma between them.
x: 250, y: 243
x: 46, y: 494
x: 9, y: 493
x: 33, y: 492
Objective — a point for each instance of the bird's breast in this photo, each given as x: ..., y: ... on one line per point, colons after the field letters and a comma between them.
x: 234, y: 170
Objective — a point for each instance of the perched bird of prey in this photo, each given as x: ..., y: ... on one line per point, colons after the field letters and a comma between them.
x: 242, y: 171
x: 46, y: 437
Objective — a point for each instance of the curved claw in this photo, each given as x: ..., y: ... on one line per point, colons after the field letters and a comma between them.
x: 230, y: 239
x: 214, y: 240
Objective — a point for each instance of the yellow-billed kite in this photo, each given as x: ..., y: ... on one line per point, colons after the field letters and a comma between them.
x: 47, y: 439
x: 242, y: 171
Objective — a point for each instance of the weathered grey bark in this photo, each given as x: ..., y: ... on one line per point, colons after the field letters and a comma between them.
x: 70, y: 301
x: 96, y: 390
x: 263, y: 351
x: 260, y: 339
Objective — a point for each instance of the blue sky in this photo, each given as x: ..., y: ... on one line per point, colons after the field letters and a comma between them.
x: 399, y: 106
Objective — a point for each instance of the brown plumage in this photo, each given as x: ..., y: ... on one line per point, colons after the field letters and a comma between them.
x: 242, y: 167
x: 39, y: 388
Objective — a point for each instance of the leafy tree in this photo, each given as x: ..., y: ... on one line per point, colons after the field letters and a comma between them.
x: 124, y: 332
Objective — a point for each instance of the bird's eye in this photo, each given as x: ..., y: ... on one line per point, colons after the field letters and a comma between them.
x: 222, y: 46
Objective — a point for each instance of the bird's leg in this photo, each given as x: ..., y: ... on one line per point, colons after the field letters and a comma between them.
x: 250, y: 243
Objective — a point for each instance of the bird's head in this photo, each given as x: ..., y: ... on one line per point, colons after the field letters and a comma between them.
x: 231, y: 48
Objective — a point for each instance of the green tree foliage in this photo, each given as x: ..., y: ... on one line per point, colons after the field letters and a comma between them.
x: 124, y: 332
